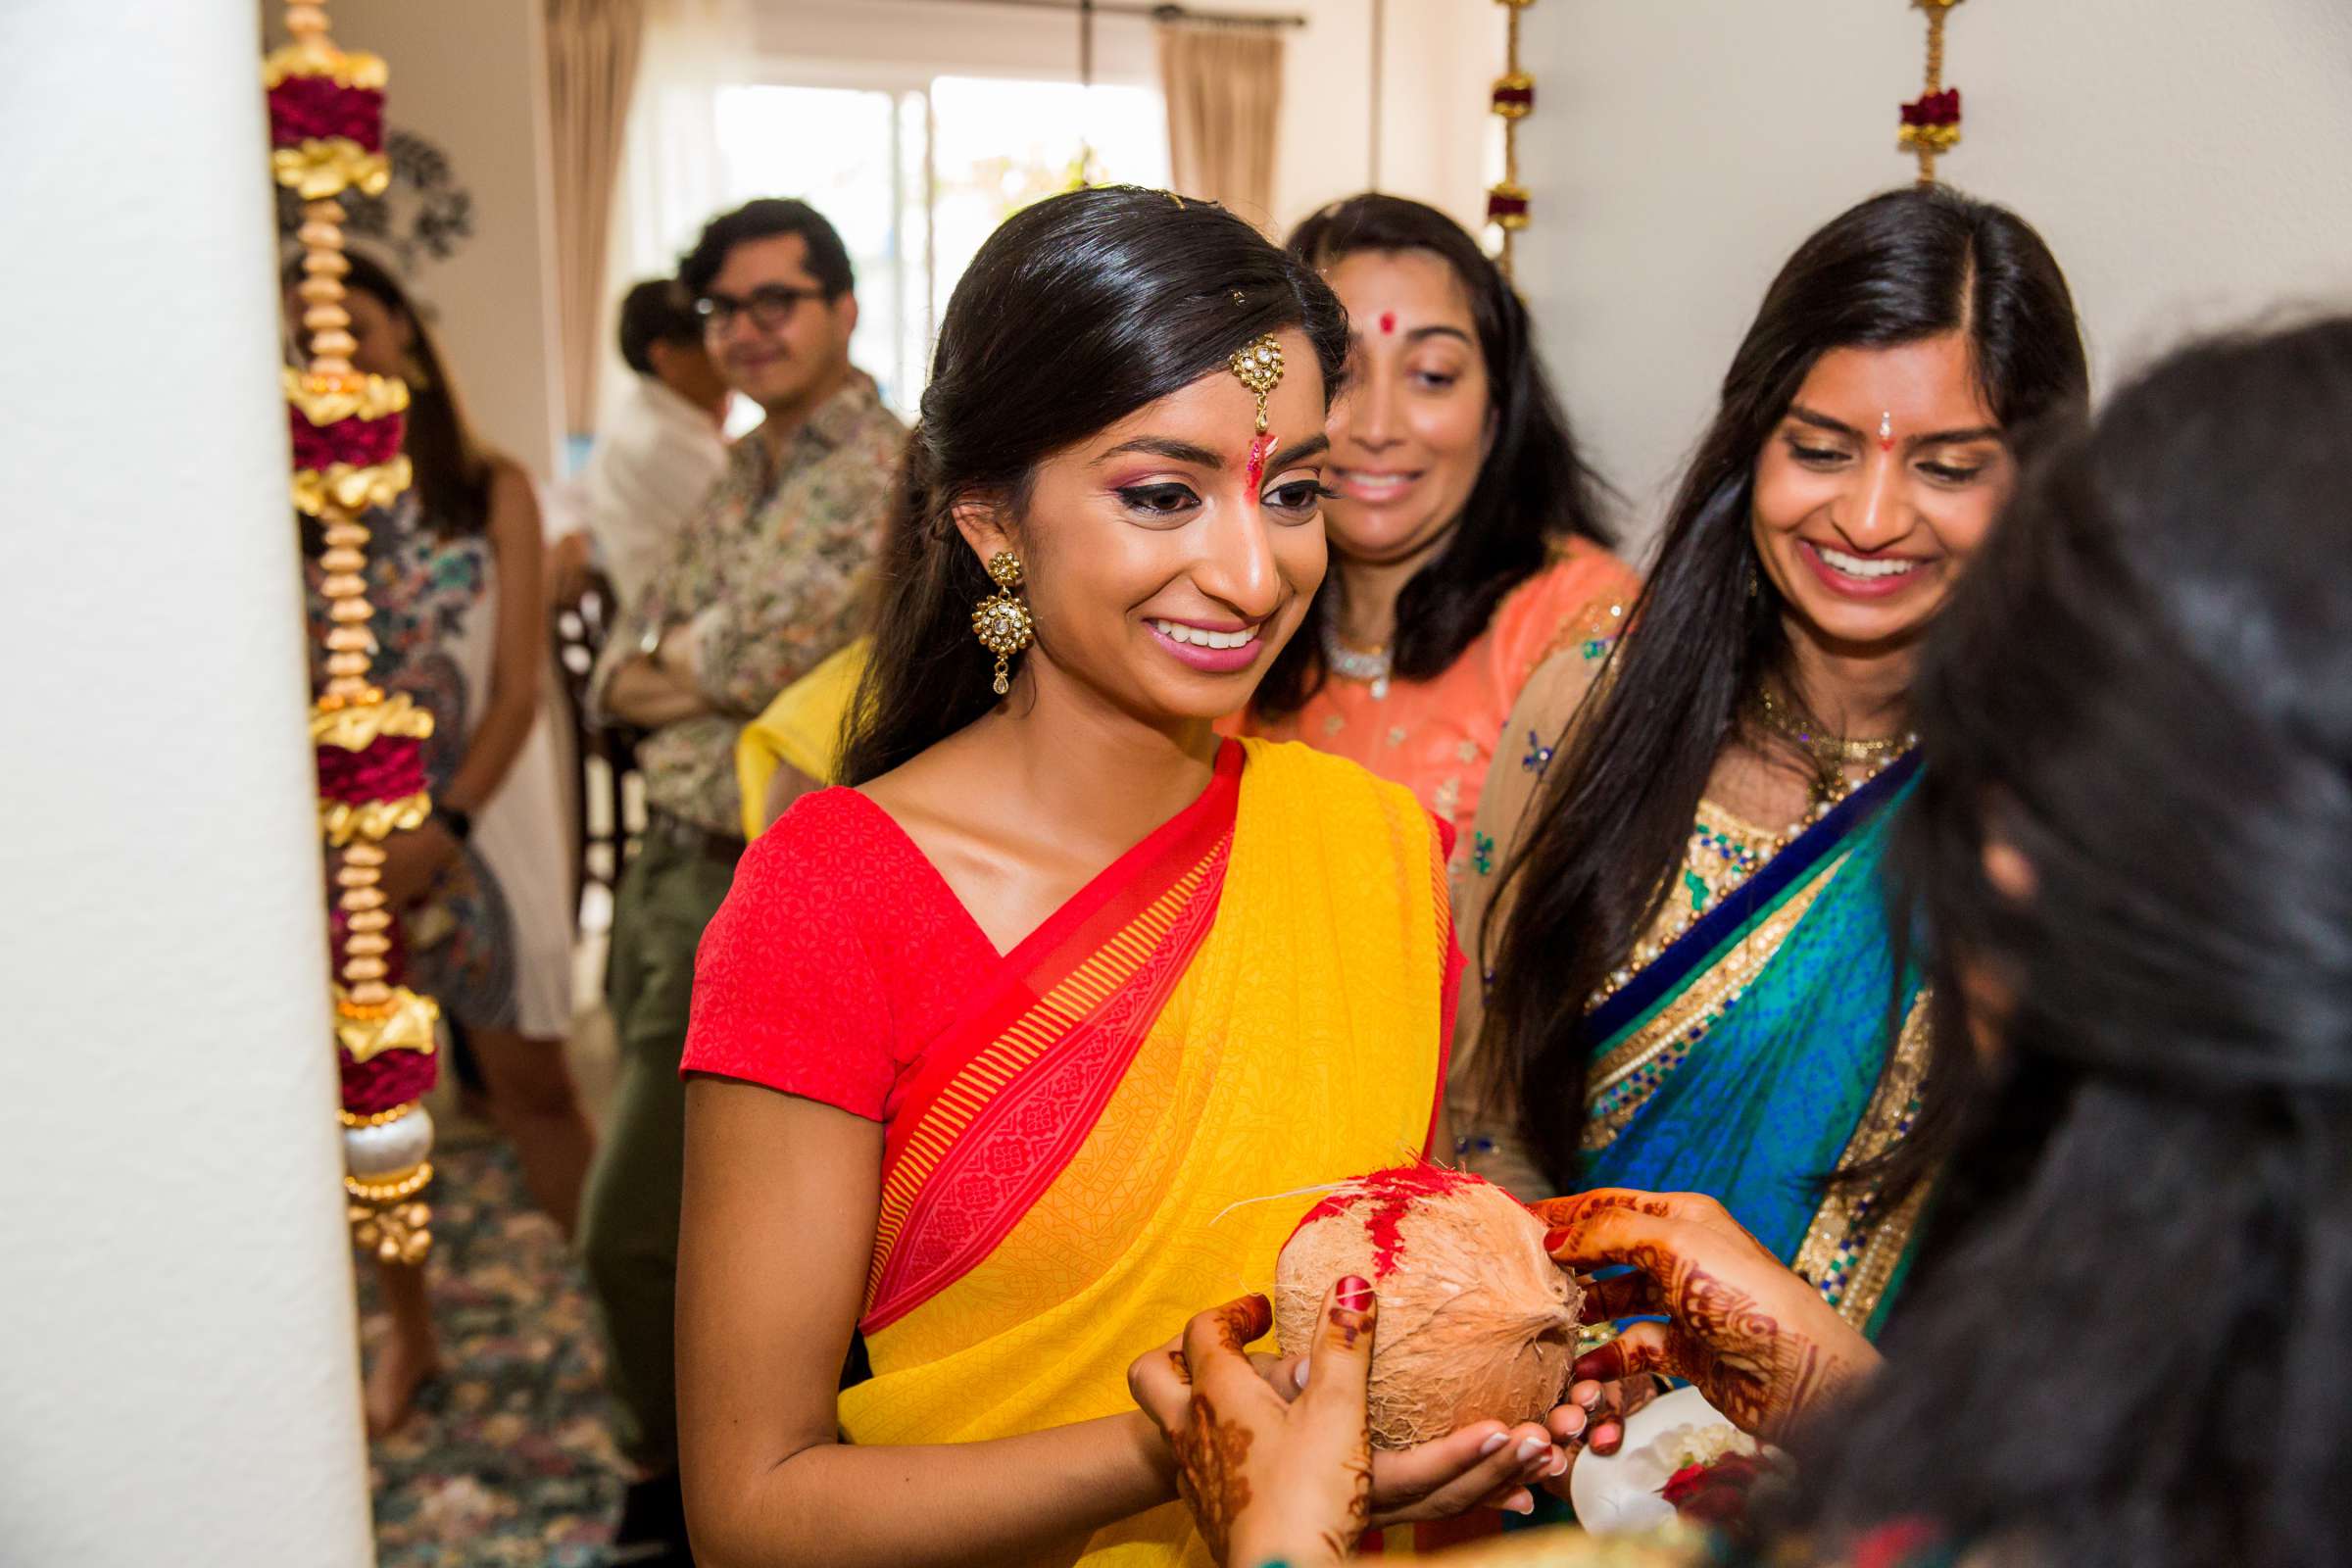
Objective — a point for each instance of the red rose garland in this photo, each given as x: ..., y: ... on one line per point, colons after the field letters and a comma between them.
x: 326, y: 135
x: 1930, y: 123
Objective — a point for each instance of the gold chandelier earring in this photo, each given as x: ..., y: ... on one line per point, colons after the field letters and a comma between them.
x: 1001, y: 622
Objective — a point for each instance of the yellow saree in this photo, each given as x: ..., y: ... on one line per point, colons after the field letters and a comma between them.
x: 1120, y: 1129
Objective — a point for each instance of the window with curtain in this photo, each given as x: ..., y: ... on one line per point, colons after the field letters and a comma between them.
x: 915, y: 178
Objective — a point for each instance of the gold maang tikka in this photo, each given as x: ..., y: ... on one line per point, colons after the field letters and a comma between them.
x: 1259, y: 364
x: 1000, y: 622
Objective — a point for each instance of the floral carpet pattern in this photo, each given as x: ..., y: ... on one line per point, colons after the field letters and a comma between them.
x: 509, y: 1459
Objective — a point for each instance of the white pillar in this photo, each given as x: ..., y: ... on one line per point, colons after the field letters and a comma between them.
x: 178, y: 1365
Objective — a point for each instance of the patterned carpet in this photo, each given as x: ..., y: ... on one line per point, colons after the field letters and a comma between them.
x: 509, y: 1459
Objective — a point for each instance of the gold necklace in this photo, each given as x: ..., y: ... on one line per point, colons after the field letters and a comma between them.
x: 1832, y: 754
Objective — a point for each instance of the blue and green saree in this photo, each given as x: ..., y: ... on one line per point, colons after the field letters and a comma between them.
x: 1744, y: 1059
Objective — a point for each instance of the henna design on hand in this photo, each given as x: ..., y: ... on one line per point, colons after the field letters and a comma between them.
x: 1213, y: 1456
x: 1761, y: 1374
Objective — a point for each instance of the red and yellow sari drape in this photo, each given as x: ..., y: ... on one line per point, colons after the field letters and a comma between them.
x: 1119, y: 1129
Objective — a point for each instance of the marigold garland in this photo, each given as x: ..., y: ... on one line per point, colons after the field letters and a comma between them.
x: 327, y: 137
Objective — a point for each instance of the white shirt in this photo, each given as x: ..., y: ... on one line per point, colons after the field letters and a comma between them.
x: 654, y: 461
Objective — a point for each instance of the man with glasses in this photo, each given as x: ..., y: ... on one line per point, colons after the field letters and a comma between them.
x: 756, y: 592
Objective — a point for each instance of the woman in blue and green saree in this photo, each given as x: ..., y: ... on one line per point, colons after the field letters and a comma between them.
x: 1691, y: 977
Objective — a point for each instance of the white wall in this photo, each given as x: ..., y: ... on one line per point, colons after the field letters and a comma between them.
x: 2185, y: 161
x: 179, y: 1382
x: 471, y: 77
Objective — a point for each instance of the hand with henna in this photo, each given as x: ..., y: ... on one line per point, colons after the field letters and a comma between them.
x: 1751, y: 1335
x: 1271, y: 1479
x: 1484, y: 1464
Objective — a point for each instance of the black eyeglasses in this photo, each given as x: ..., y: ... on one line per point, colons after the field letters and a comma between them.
x: 770, y: 307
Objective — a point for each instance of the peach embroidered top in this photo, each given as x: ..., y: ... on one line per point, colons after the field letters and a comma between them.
x: 1436, y: 737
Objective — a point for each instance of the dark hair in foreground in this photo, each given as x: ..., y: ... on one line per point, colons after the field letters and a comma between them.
x: 656, y: 311
x: 1534, y: 491
x: 1616, y: 807
x: 1077, y: 312
x: 767, y: 217
x: 2132, y: 1354
x: 451, y: 465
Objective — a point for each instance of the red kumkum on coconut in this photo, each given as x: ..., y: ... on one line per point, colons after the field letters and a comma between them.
x: 1476, y: 1320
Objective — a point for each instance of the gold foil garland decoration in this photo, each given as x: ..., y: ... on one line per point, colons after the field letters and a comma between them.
x: 1511, y: 99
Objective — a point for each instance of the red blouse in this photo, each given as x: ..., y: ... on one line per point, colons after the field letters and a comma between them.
x: 838, y: 955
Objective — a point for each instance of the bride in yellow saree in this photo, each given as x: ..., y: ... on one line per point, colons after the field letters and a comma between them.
x: 1041, y: 1033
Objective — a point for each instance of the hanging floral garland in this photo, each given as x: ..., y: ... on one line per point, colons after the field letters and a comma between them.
x: 326, y: 135
x: 1930, y: 123
x: 1512, y: 100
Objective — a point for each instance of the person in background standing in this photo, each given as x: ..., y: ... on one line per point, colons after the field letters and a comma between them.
x: 659, y: 449
x: 482, y: 882
x: 756, y: 591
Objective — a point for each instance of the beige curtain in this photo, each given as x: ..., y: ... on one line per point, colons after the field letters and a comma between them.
x: 592, y: 48
x: 1223, y: 83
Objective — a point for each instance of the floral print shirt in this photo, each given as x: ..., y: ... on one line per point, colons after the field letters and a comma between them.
x: 767, y: 577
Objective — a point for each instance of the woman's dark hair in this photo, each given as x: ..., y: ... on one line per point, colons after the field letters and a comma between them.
x: 1079, y: 311
x: 1534, y: 491
x: 2133, y: 1353
x: 1613, y: 817
x: 829, y: 260
x: 452, y: 467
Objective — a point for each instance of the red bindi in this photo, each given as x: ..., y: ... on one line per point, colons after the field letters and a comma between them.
x: 1388, y: 321
x: 1258, y: 451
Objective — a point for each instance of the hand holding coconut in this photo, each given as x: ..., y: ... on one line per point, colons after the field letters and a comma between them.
x: 1479, y: 1323
x: 1751, y: 1335
x: 1272, y: 1478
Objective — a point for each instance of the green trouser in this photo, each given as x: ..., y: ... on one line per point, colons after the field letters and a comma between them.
x: 629, y: 1225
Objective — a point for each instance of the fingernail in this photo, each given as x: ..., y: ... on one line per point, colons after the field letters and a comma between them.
x: 1522, y: 1503
x: 1300, y: 1375
x: 1494, y: 1442
x: 1531, y: 1448
x: 1582, y: 1420
x: 1355, y: 1294
x: 1606, y: 1439
x: 1555, y: 1238
x: 1560, y: 1462
x: 1590, y: 1400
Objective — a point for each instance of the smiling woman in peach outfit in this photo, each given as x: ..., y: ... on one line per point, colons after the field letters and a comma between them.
x: 1466, y: 533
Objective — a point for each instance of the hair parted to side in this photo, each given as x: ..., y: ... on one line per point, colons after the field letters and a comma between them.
x: 1077, y: 312
x: 1533, y: 492
x: 656, y: 311
x: 765, y: 217
x: 2127, y: 1349
x: 451, y: 465
x: 1609, y: 825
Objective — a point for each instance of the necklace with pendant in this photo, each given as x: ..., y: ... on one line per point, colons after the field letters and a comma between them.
x: 1355, y: 664
x: 1832, y: 754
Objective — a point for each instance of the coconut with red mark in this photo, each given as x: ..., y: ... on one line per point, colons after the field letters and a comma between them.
x: 1476, y: 1320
